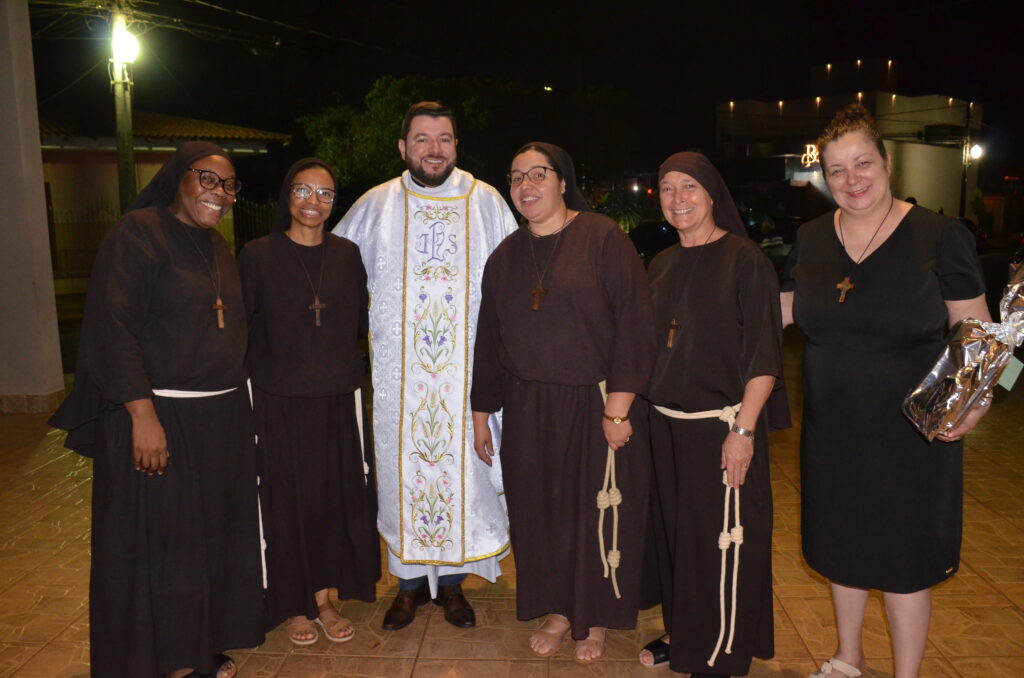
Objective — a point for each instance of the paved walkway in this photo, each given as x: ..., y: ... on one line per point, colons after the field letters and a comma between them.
x: 977, y: 629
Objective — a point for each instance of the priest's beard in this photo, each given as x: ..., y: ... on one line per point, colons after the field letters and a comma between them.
x: 430, y: 180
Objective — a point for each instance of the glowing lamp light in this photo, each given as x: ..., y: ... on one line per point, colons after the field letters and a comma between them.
x: 125, y: 46
x: 548, y: 88
x: 977, y: 150
x: 636, y: 188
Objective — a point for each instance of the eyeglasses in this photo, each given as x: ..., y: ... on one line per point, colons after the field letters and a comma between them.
x: 535, y: 174
x: 304, y: 191
x: 210, y: 180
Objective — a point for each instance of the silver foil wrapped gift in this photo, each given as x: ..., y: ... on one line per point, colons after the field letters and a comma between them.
x: 969, y: 367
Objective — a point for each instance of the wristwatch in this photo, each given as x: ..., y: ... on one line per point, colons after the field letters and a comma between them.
x: 746, y: 433
x: 614, y: 420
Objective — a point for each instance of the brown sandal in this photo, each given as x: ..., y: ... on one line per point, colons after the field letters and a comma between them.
x: 338, y: 631
x: 299, y: 625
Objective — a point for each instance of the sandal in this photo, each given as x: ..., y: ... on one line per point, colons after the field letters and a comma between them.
x: 836, y: 665
x: 554, y: 638
x: 659, y: 650
x: 301, y: 625
x: 338, y: 631
x: 589, y: 643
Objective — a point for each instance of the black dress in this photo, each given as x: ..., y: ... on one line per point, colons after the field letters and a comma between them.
x: 319, y: 505
x: 882, y: 507
x: 175, y: 574
x: 543, y: 367
x: 724, y: 298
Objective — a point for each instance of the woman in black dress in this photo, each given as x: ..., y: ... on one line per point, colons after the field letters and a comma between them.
x: 874, y: 286
x: 160, y: 402
x: 305, y: 293
x: 564, y: 309
x: 720, y: 346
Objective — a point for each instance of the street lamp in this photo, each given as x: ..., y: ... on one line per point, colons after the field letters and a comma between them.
x: 125, y: 49
x: 977, y: 150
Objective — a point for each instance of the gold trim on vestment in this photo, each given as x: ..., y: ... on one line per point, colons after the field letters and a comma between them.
x: 451, y: 563
x: 401, y: 392
x: 465, y: 384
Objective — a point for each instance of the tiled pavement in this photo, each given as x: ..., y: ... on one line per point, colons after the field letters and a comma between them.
x: 977, y: 628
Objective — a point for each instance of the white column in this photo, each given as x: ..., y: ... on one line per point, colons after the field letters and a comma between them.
x: 31, y: 377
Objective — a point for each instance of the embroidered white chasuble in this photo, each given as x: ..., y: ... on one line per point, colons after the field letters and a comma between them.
x: 424, y: 250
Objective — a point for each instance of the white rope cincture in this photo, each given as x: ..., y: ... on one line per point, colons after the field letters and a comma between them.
x: 728, y: 536
x: 259, y: 505
x: 609, y: 496
x: 359, y: 427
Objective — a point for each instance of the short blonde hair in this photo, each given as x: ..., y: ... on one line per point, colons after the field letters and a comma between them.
x: 853, y: 118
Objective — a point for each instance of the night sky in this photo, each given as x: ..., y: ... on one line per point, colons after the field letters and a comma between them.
x: 673, y: 61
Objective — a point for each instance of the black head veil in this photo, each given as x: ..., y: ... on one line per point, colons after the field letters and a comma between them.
x: 283, y: 217
x: 724, y: 210
x: 160, y: 191
x: 562, y: 162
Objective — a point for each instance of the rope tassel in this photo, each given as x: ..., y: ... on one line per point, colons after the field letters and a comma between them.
x: 726, y: 538
x: 609, y: 497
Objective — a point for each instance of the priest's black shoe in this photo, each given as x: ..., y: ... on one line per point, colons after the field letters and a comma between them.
x: 403, y: 609
x: 457, y: 610
x: 709, y: 674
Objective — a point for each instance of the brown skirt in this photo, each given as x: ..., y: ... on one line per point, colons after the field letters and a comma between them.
x: 319, y: 512
x: 175, y: 558
x: 553, y: 458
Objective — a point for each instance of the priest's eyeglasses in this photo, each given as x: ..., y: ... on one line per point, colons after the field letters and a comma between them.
x: 210, y: 180
x: 304, y: 191
x: 535, y: 174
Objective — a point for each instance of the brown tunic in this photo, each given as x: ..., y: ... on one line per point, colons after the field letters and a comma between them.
x: 175, y: 574
x: 724, y: 296
x: 543, y: 367
x: 319, y: 510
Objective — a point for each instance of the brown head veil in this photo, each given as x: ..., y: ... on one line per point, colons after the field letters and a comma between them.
x: 561, y: 161
x: 724, y: 211
x: 283, y: 216
x: 160, y: 191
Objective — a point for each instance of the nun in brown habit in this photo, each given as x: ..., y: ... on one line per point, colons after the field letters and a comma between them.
x: 565, y: 308
x: 305, y: 294
x: 160, y: 404
x: 718, y: 363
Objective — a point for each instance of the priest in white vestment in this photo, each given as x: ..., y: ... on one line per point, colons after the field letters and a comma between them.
x: 425, y: 237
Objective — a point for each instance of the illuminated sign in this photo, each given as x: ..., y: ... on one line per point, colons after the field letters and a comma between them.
x: 810, y: 155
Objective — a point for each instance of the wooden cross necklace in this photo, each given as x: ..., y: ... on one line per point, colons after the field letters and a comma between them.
x: 538, y: 289
x: 214, y: 274
x: 316, y: 306
x: 845, y: 285
x: 674, y: 326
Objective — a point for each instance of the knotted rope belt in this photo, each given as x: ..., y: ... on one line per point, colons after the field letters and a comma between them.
x: 609, y: 496
x: 727, y: 537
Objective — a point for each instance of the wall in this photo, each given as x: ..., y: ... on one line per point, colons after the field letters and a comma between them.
x: 31, y: 377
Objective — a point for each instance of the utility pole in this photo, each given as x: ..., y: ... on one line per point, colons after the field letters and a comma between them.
x: 121, y: 83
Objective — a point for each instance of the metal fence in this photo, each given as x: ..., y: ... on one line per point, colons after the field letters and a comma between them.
x: 252, y: 220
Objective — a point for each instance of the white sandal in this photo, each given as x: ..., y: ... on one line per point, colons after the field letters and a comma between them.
x: 836, y: 665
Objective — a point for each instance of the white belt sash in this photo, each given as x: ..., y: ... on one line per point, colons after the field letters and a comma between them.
x: 727, y: 537
x: 175, y: 393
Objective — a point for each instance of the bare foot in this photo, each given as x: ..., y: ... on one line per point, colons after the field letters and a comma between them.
x: 548, y: 637
x: 591, y: 648
x: 336, y: 628
x: 647, y: 658
x: 301, y: 631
